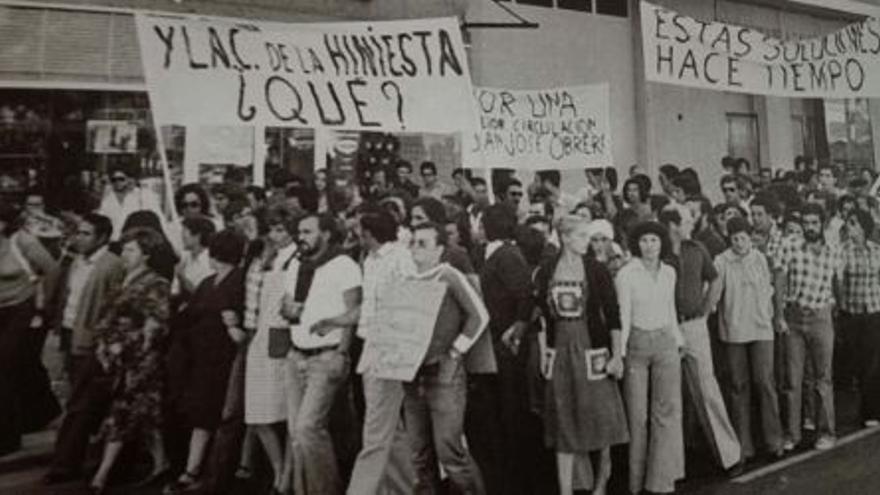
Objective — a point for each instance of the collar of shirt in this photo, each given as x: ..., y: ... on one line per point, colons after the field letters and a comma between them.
x: 92, y: 258
x: 492, y: 247
x: 383, y: 250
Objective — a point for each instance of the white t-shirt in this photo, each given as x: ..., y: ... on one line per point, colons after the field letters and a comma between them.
x: 325, y: 300
x: 137, y: 199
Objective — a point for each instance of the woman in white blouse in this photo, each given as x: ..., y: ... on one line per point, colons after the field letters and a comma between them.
x: 651, y: 341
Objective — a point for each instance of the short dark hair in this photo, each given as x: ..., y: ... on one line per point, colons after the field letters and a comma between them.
x: 438, y: 229
x: 813, y: 209
x: 738, y: 224
x: 282, y: 216
x: 327, y: 223
x: 668, y: 170
x: 258, y: 192
x: 148, y: 240
x: 511, y: 182
x: 202, y: 228
x: 768, y: 201
x: 551, y: 176
x: 669, y: 216
x: 499, y: 222
x: 478, y: 181
x: 434, y: 209
x: 430, y: 166
x: 403, y: 164
x: 198, y: 190
x: 102, y: 225
x: 459, y: 171
x: 644, y: 228
x: 826, y: 166
x: 380, y: 224
x: 127, y: 167
x: 727, y: 206
x: 227, y: 247
x: 865, y: 219
x: 726, y: 179
x: 644, y: 192
x: 689, y: 181
x: 142, y: 218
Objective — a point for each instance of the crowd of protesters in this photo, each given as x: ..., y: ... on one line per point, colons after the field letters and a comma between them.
x: 575, y: 331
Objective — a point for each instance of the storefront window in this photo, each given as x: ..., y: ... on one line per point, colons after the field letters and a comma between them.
x: 850, y: 138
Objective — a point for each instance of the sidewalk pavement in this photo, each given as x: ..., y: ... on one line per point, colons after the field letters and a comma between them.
x: 36, y: 450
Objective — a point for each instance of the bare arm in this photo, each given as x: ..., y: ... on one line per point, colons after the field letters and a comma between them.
x: 346, y: 320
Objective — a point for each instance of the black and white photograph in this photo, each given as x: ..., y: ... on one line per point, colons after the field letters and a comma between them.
x: 421, y: 247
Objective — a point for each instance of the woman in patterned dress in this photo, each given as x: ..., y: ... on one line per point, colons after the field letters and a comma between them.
x: 584, y: 414
x: 130, y: 349
x: 267, y: 278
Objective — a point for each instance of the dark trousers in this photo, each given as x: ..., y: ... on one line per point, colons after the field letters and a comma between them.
x: 13, y: 339
x: 225, y: 452
x: 90, y: 398
x: 863, y: 330
x: 504, y: 436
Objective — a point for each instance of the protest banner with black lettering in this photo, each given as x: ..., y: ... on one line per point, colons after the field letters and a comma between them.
x: 557, y: 128
x: 382, y: 76
x: 685, y: 51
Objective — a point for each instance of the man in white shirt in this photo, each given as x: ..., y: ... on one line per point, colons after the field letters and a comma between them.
x: 126, y: 197
x: 384, y: 446
x: 319, y: 361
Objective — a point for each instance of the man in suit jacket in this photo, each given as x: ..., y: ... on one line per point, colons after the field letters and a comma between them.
x: 88, y: 281
x: 505, y: 279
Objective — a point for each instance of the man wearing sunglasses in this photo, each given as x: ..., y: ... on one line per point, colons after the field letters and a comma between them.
x: 126, y: 197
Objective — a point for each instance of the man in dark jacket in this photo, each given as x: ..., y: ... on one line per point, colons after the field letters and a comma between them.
x: 501, y: 419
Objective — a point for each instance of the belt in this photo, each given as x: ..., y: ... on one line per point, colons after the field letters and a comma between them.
x: 314, y: 351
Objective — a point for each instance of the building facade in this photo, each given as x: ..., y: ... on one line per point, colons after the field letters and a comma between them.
x: 65, y: 63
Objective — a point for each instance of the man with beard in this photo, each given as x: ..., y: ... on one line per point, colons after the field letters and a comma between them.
x: 806, y: 277
x: 321, y: 335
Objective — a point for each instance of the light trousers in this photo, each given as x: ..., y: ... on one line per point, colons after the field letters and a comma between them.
x: 652, y: 382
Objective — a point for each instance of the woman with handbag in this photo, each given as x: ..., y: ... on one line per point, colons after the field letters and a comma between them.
x: 584, y: 413
x: 267, y: 279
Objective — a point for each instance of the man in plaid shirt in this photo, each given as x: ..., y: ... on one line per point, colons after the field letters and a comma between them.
x: 860, y: 309
x: 806, y: 277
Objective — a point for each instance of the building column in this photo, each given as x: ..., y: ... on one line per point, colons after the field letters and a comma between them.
x: 775, y: 135
x: 874, y: 112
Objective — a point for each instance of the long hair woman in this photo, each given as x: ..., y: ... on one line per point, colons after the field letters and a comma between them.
x: 651, y: 342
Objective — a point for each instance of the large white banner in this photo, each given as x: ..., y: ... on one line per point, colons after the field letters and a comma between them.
x: 685, y: 51
x: 557, y: 128
x: 384, y: 76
